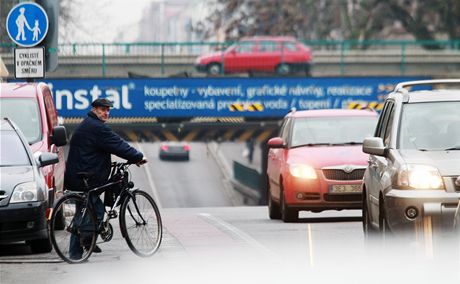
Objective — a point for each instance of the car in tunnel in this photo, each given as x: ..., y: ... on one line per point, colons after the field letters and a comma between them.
x: 23, y: 190
x: 174, y: 150
x: 316, y: 163
x: 259, y: 54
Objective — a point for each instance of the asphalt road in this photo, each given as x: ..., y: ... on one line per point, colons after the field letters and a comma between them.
x: 210, y: 241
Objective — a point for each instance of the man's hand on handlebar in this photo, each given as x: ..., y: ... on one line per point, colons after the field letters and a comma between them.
x: 141, y: 162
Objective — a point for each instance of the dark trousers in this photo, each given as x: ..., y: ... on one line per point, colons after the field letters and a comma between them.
x: 75, y: 248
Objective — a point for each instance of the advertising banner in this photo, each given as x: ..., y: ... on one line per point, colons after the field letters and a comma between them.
x: 220, y: 97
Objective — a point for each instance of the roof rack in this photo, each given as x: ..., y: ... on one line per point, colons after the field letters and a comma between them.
x: 401, y: 87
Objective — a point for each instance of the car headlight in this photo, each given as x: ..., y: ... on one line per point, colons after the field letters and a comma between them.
x: 420, y: 177
x: 25, y: 192
x: 302, y: 171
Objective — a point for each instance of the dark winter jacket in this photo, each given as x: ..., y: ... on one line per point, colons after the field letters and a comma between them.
x: 91, y: 146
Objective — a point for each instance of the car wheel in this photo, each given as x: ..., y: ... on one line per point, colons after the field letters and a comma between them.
x: 214, y: 69
x: 288, y: 215
x: 283, y: 69
x: 40, y: 246
x: 273, y: 207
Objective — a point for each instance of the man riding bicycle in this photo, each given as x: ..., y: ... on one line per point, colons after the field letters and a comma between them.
x: 91, y: 147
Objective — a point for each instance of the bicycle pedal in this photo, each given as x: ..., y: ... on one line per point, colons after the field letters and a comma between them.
x: 112, y: 214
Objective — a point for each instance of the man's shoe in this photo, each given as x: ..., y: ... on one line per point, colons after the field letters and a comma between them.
x: 96, y: 249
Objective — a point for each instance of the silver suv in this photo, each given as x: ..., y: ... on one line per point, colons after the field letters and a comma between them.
x: 412, y: 180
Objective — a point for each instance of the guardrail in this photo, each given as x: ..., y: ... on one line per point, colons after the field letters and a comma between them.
x: 164, y: 54
x: 247, y: 181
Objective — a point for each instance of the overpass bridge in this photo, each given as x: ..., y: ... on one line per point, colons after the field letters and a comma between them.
x: 437, y: 58
x: 442, y: 64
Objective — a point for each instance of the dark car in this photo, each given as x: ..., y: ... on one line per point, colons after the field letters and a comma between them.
x: 174, y: 150
x: 23, y: 190
x: 259, y: 54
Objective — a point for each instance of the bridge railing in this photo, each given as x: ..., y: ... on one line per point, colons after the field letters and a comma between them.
x: 199, y: 48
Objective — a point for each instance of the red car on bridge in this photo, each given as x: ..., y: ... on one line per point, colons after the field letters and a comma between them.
x: 259, y: 54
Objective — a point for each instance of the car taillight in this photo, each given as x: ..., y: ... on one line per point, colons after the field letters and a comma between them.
x: 164, y: 147
x: 186, y: 147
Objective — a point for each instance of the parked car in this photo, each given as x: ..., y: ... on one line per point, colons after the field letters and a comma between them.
x: 174, y: 151
x: 414, y: 162
x: 280, y: 55
x: 317, y: 163
x: 23, y: 190
x: 31, y: 107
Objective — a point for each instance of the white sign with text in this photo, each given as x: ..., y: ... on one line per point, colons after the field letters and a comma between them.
x: 29, y: 63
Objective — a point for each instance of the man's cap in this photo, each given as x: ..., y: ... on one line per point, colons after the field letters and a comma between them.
x: 101, y: 102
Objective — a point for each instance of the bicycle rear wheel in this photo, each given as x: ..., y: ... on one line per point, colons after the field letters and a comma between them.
x: 140, y: 223
x: 75, y: 243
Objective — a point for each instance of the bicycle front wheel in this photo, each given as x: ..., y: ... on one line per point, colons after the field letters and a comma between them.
x: 140, y: 223
x: 74, y: 243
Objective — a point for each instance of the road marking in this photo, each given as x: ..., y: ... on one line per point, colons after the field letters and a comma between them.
x: 219, y: 223
x: 310, y: 245
x: 150, y: 180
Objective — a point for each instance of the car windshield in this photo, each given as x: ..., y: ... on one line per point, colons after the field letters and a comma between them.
x: 24, y: 112
x: 332, y: 130
x: 430, y: 126
x: 12, y: 151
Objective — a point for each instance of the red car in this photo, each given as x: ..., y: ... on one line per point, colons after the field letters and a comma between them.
x: 317, y: 162
x: 281, y: 55
x: 31, y: 107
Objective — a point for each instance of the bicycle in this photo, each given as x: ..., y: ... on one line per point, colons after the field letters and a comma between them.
x: 140, y: 219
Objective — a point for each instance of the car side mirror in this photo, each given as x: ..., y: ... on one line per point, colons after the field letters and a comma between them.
x: 46, y: 159
x: 59, y: 137
x: 276, y: 142
x: 374, y: 146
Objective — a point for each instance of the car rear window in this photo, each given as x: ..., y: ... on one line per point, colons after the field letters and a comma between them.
x: 332, y: 130
x: 430, y: 126
x: 24, y: 112
x: 12, y: 151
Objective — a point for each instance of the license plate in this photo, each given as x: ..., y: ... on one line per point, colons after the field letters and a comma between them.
x: 345, y: 188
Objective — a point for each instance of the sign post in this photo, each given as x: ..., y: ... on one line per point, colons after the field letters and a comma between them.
x: 27, y: 25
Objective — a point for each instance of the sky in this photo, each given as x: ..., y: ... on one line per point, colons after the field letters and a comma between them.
x: 106, y: 20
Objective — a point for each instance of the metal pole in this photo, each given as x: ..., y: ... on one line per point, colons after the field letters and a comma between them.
x: 403, y: 59
x: 103, y: 60
x: 162, y: 58
x: 342, y: 55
